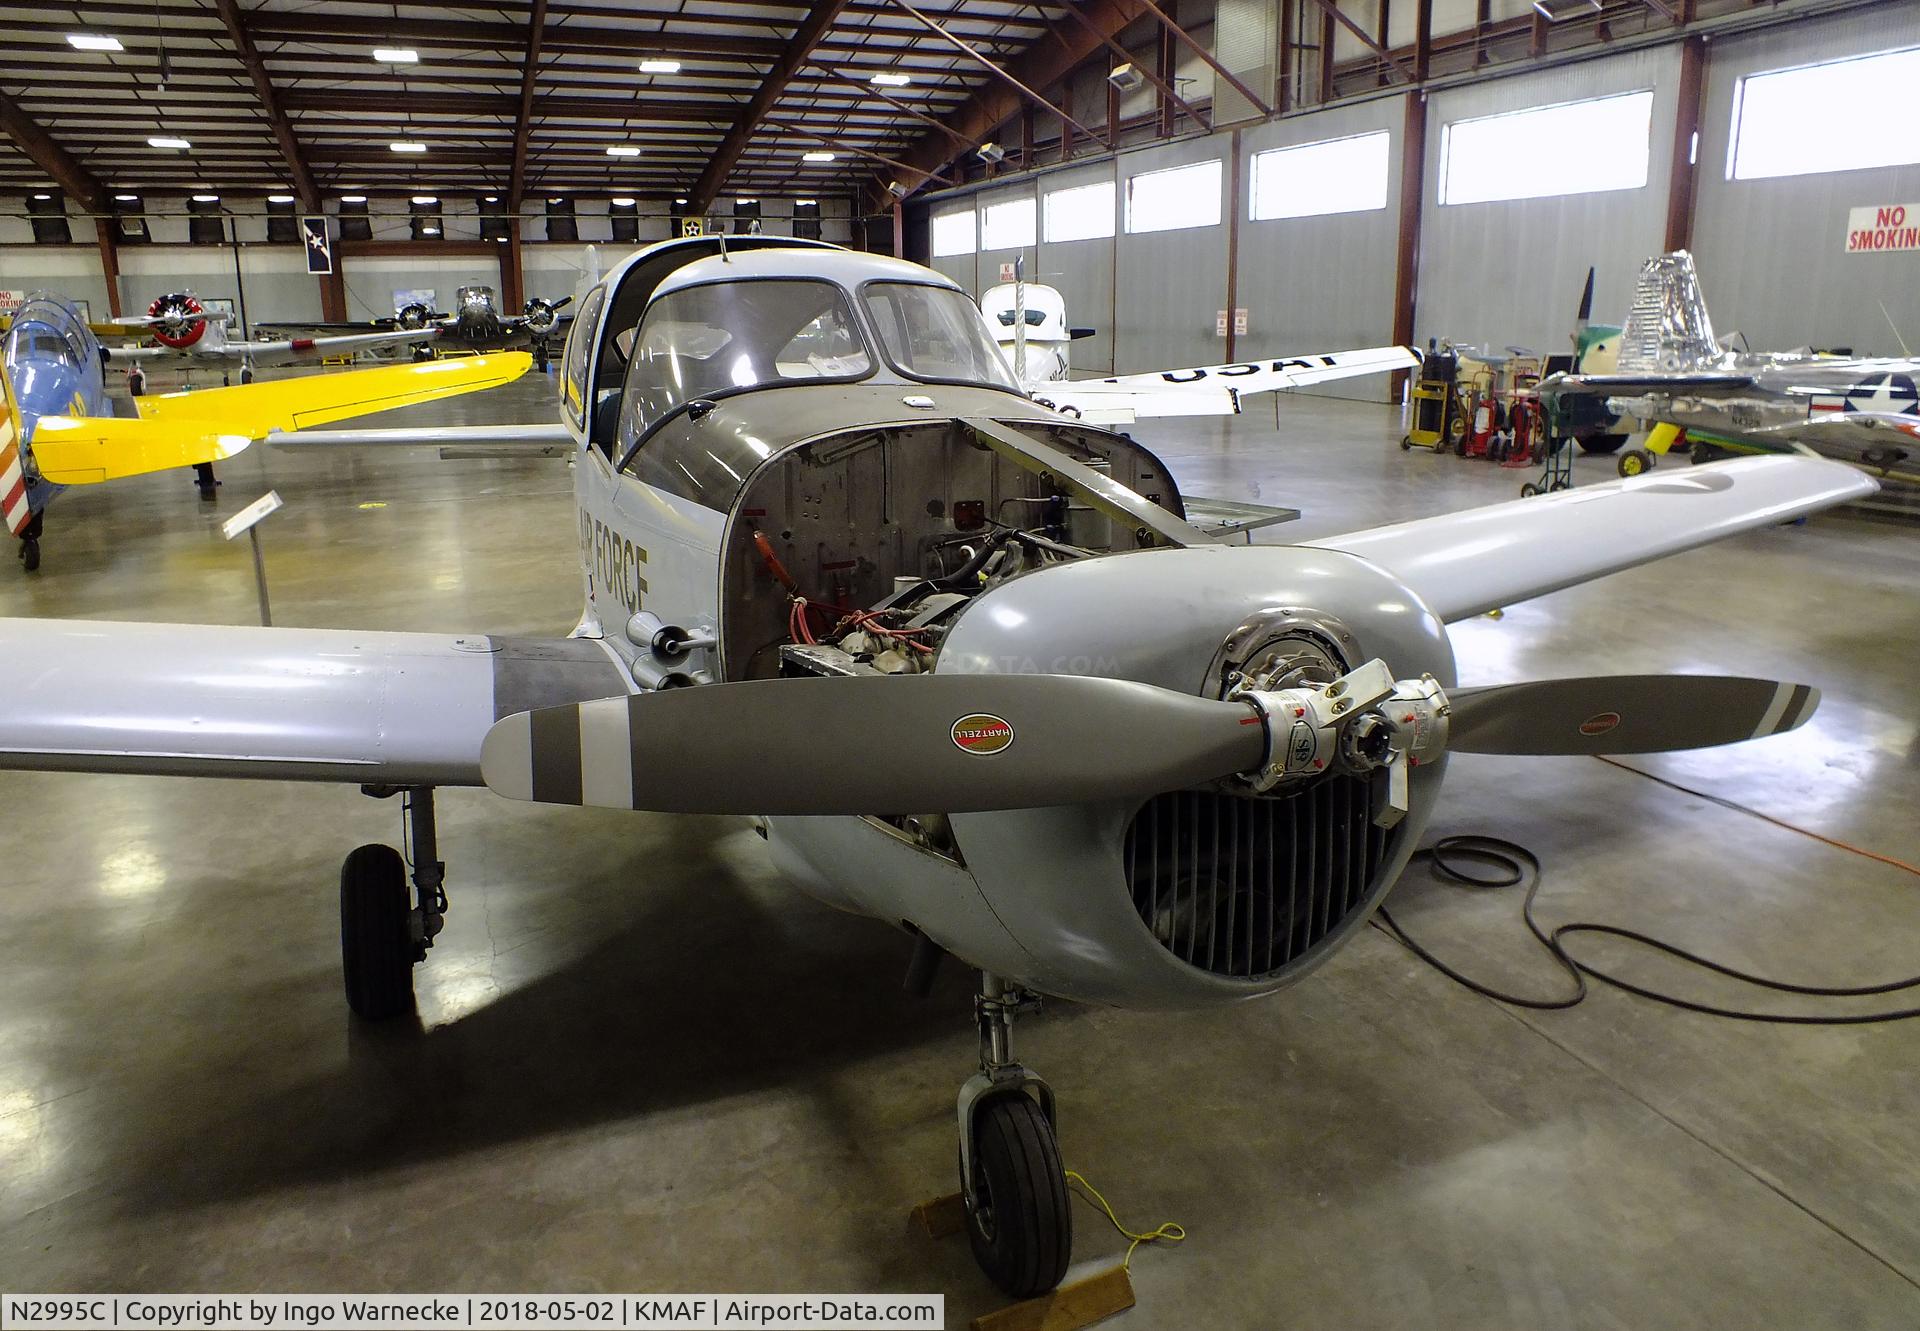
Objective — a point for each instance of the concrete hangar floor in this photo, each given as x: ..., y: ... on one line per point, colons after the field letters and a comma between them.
x: 644, y: 1064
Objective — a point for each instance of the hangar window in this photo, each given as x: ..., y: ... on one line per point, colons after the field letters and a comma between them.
x: 1863, y: 119
x: 1173, y: 199
x: 1084, y: 212
x: 806, y: 219
x: 282, y: 227
x: 1571, y: 148
x: 1313, y: 179
x: 1008, y: 225
x: 953, y: 234
x: 49, y: 213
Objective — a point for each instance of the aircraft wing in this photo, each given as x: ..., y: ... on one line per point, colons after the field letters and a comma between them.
x: 276, y: 703
x: 1625, y: 385
x: 547, y: 440
x: 180, y: 429
x: 286, y: 349
x: 1464, y: 564
x: 1198, y: 391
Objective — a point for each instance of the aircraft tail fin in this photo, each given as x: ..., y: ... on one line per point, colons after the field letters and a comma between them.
x: 14, y: 507
x: 1668, y: 328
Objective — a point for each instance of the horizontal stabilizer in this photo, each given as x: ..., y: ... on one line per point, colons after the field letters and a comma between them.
x: 86, y: 450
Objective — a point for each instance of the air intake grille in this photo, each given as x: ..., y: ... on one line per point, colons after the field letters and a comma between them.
x: 1246, y: 887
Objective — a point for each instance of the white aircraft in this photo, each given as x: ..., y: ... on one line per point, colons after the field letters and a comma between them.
x: 1029, y: 321
x: 966, y: 659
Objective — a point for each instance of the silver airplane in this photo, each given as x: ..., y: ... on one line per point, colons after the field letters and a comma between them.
x: 475, y: 324
x: 1672, y: 371
x: 965, y: 659
x: 187, y: 335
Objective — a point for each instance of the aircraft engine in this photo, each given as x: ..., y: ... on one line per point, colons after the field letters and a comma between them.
x: 182, y: 320
x: 1179, y: 897
x: 541, y: 316
x: 414, y: 317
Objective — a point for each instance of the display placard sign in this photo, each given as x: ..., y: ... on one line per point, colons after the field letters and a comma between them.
x: 1883, y: 227
x: 1006, y: 272
x: 319, y: 245
x: 10, y: 300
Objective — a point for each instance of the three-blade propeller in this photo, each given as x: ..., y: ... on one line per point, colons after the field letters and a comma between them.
x: 878, y: 744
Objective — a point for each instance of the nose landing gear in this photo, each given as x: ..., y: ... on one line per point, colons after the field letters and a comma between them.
x: 1011, y: 1178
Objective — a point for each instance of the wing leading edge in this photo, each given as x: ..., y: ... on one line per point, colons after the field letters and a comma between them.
x: 275, y: 703
x: 1464, y: 564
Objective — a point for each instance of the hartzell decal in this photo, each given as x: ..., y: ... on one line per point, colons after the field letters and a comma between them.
x: 614, y: 561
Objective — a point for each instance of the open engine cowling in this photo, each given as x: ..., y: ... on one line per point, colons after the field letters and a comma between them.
x: 182, y: 320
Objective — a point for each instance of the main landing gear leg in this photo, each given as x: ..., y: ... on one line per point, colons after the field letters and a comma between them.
x: 1010, y: 1173
x: 382, y: 933
x: 30, y: 543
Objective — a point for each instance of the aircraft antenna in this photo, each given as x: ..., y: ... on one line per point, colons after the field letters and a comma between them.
x: 1904, y: 351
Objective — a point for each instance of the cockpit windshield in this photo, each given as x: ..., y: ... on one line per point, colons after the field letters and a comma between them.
x: 45, y: 330
x: 723, y: 337
x: 935, y: 333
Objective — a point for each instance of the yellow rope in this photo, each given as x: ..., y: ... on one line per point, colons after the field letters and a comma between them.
x: 1167, y: 1233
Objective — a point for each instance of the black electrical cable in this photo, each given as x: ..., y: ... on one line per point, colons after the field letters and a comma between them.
x: 1515, y: 864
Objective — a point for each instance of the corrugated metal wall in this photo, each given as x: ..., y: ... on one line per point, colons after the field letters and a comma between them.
x: 1772, y: 253
x: 1510, y: 273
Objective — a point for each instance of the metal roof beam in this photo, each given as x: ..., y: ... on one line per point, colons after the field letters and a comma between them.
x: 523, y: 120
x: 303, y: 184
x: 278, y: 25
x: 974, y: 54
x: 49, y: 156
x: 792, y: 57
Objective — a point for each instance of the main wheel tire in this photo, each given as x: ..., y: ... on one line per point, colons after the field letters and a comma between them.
x: 376, y: 947
x: 1634, y: 461
x: 1602, y: 443
x: 1699, y: 454
x: 30, y: 555
x: 1021, y: 1226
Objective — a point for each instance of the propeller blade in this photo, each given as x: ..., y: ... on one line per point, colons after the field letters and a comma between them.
x: 872, y: 744
x: 1624, y: 713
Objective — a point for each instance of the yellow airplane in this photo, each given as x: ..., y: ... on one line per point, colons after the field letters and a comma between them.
x: 57, y: 430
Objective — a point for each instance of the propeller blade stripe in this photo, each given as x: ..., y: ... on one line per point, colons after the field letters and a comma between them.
x: 554, y: 738
x: 606, y: 755
x: 1805, y: 699
x: 1781, y: 697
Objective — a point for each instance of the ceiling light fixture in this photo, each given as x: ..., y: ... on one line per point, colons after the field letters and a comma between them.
x: 806, y: 203
x: 681, y: 199
x: 491, y: 198
x: 659, y: 66
x: 396, y: 55
x: 891, y: 80
x: 407, y: 146
x: 622, y: 150
x: 279, y: 198
x: 353, y: 198
x: 164, y: 142
x: 426, y: 198
x: 623, y: 203
x: 86, y: 41
x: 817, y: 156
x: 126, y: 198
x: 206, y: 198
x: 429, y: 230
x: 43, y: 197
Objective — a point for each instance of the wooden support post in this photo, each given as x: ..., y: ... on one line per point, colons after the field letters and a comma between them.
x: 1413, y: 188
x: 1324, y: 93
x: 512, y: 274
x: 109, y: 262
x: 1685, y: 173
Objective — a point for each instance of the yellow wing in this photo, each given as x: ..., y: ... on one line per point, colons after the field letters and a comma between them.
x: 181, y: 429
x: 318, y: 399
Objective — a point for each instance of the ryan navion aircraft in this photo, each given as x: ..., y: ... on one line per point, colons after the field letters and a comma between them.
x: 1078, y: 744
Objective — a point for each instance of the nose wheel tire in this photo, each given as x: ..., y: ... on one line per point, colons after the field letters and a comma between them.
x: 1020, y: 1225
x: 377, y: 950
x: 30, y: 554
